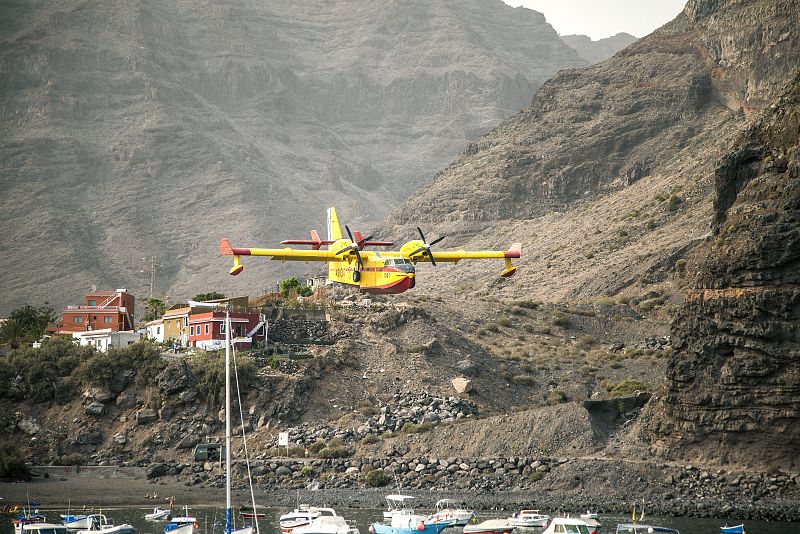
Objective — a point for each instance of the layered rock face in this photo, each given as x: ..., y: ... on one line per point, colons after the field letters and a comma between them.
x: 145, y: 128
x: 733, y: 386
x: 670, y: 95
x: 600, y: 50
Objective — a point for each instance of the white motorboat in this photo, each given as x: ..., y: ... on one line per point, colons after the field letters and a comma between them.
x: 39, y: 528
x: 327, y: 522
x: 529, y: 519
x: 76, y: 521
x: 159, y: 514
x: 490, y: 526
x: 453, y: 511
x: 299, y: 517
x: 397, y: 505
x: 638, y: 528
x: 590, y: 515
x: 182, y: 524
x: 570, y: 525
x: 100, y: 524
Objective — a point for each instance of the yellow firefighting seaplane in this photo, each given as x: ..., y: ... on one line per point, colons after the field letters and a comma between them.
x: 376, y: 272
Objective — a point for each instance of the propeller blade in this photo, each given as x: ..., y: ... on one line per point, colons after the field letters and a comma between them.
x: 349, y: 233
x: 430, y: 255
x: 436, y: 240
x: 421, y: 234
x: 345, y: 249
x: 420, y: 249
x: 358, y: 257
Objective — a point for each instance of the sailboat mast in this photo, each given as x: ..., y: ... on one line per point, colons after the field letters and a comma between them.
x: 228, y: 512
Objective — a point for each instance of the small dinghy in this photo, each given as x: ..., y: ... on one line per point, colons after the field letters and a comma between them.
x: 738, y: 529
x: 490, y: 526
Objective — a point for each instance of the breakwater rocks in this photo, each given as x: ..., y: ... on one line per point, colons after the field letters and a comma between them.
x: 607, y: 486
x: 404, y: 411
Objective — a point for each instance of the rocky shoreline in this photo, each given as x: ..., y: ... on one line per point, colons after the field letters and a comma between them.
x: 555, y: 484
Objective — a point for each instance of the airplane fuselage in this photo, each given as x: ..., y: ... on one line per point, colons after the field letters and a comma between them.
x: 380, y: 274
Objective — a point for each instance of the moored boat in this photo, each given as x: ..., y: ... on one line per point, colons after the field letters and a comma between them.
x: 158, y: 514
x: 75, y: 521
x: 182, y: 524
x: 39, y: 528
x: 397, y: 505
x: 327, y: 522
x: 571, y: 525
x: 529, y: 519
x: 590, y: 515
x: 247, y: 512
x: 490, y: 526
x: 100, y: 524
x: 453, y: 511
x: 738, y: 529
x: 409, y: 524
x: 300, y: 516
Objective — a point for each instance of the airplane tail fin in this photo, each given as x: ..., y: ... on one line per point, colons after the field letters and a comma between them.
x: 334, y: 229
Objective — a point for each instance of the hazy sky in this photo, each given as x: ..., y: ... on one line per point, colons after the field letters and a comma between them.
x: 603, y: 18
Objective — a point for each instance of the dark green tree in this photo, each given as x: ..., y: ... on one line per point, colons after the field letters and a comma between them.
x: 12, y: 463
x: 211, y: 295
x: 293, y: 284
x: 34, y: 320
x: 13, y: 333
x: 153, y: 308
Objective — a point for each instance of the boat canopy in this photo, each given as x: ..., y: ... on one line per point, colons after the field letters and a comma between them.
x: 399, y: 498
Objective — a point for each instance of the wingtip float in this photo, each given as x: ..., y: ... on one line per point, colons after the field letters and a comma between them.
x: 386, y: 272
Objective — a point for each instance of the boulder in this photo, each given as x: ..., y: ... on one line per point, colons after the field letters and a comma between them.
x: 177, y: 376
x: 97, y: 394
x: 157, y: 470
x: 462, y: 385
x: 145, y: 416
x: 96, y: 408
x: 466, y: 367
x: 29, y: 426
x: 283, y: 471
x: 120, y: 438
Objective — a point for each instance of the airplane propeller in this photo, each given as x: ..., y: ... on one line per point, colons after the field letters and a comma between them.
x: 354, y: 247
x: 425, y: 249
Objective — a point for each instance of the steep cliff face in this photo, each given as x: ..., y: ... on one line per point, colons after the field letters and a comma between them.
x: 733, y: 390
x: 600, y: 50
x: 140, y: 128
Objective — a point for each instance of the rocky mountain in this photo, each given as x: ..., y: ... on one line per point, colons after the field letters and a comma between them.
x: 613, y: 182
x: 600, y: 50
x: 733, y: 390
x: 137, y: 129
x: 607, y: 177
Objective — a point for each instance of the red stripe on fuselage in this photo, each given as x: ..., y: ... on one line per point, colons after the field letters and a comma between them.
x: 404, y: 284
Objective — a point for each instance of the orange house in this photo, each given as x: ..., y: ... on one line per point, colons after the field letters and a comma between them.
x: 100, y: 310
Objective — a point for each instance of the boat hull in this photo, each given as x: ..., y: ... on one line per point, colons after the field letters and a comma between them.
x: 432, y: 528
x: 738, y: 529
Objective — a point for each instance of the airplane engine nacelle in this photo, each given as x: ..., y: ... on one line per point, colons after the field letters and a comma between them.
x: 410, y: 246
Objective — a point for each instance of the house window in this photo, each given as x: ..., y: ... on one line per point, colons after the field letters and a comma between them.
x: 221, y: 328
x: 191, y: 330
x: 206, y: 329
x: 107, y: 319
x: 78, y: 319
x: 186, y: 321
x: 158, y: 330
x: 91, y: 303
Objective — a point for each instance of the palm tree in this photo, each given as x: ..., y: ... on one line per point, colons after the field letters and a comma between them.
x: 13, y: 333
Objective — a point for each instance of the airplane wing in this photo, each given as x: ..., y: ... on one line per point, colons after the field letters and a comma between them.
x: 454, y: 256
x: 282, y: 254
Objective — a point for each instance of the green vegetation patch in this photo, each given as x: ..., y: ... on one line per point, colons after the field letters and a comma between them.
x: 625, y: 388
